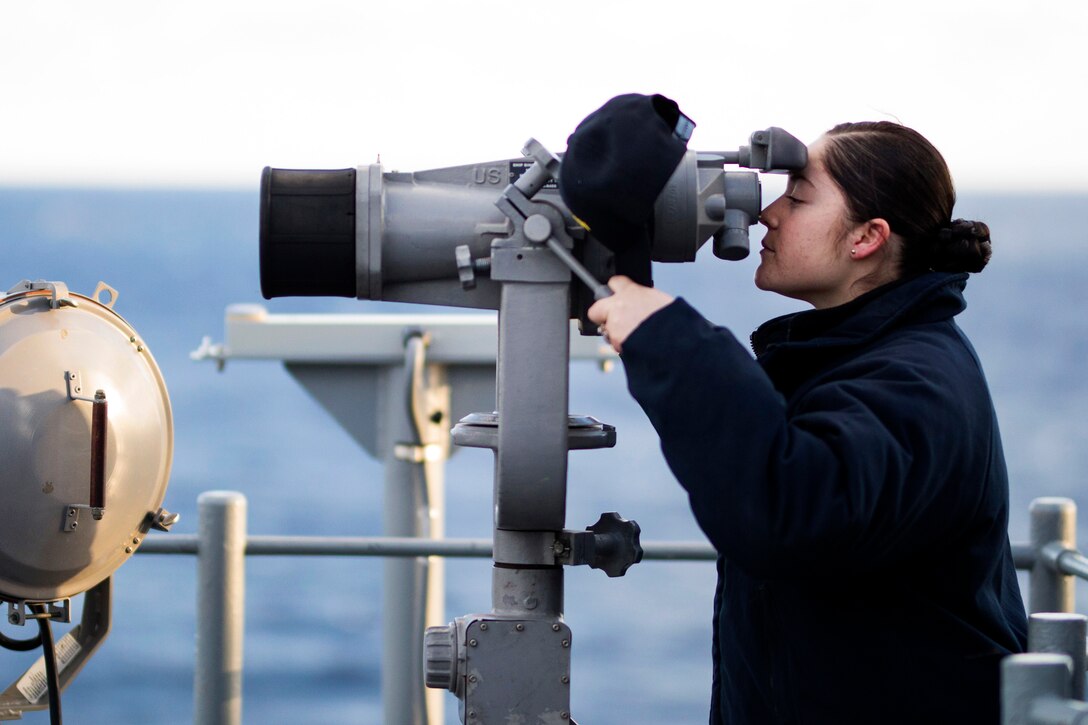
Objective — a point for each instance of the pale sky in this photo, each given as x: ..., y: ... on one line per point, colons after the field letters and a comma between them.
x: 207, y: 92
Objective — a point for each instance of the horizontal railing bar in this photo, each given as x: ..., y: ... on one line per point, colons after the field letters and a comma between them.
x: 397, y: 546
x: 678, y: 551
x: 1023, y: 554
x: 367, y: 546
x: 169, y: 544
x: 1073, y: 562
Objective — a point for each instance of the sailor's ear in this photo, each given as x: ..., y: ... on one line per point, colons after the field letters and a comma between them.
x: 869, y: 237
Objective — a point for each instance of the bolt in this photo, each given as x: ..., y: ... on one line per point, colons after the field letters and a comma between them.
x: 483, y: 626
x: 135, y: 540
x: 71, y: 512
x: 565, y: 715
x: 74, y: 524
x: 13, y: 617
x: 519, y: 627
x: 566, y: 643
x: 139, y: 348
x: 537, y: 228
x: 565, y: 680
x: 472, y: 643
x: 132, y: 339
x: 555, y: 627
x: 128, y: 549
x: 472, y: 714
x: 472, y: 678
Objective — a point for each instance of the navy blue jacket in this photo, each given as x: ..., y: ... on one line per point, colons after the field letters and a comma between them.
x: 853, y: 482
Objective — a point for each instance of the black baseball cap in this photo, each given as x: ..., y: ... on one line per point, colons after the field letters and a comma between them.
x: 618, y: 160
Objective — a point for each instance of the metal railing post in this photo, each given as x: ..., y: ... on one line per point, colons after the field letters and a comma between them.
x: 220, y: 596
x: 1052, y: 520
x: 1061, y: 633
x: 1028, y: 678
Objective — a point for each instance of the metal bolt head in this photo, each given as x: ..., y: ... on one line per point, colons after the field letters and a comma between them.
x: 519, y: 627
x: 135, y: 540
x: 13, y: 617
x: 565, y: 715
x: 472, y: 714
x: 565, y: 680
x: 555, y: 627
x: 128, y: 549
x: 565, y: 643
x: 483, y: 626
x: 537, y: 228
x: 472, y: 678
x: 472, y: 643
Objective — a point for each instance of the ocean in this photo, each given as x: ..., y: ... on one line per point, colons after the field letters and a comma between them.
x: 641, y: 649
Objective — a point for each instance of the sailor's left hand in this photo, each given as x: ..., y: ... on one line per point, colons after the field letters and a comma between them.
x: 631, y: 303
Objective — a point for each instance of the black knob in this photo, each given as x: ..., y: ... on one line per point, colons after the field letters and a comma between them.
x: 615, y: 544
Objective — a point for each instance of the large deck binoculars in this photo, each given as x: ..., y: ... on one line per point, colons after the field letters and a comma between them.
x: 428, y: 236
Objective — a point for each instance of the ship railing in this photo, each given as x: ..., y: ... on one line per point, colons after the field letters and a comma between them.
x: 1045, y: 686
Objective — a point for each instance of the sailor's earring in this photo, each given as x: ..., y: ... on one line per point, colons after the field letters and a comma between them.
x: 854, y: 251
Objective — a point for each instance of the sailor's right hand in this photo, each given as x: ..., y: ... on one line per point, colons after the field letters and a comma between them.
x: 630, y: 304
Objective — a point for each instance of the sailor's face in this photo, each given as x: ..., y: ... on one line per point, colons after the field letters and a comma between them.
x: 805, y: 252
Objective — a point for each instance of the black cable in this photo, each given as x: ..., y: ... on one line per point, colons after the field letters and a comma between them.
x: 20, y: 645
x: 49, y: 652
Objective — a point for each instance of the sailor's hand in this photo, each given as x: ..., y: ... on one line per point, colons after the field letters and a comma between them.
x: 631, y: 303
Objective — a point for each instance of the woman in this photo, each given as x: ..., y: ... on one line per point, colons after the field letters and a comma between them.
x: 852, y: 477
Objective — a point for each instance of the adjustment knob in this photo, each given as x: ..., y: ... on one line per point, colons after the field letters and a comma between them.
x: 615, y: 544
x: 440, y: 657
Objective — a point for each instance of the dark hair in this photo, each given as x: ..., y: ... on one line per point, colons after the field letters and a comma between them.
x: 889, y: 171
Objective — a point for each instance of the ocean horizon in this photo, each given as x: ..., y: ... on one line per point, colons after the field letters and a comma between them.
x: 641, y: 644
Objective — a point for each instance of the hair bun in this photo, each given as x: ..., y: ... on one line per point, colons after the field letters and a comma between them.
x: 962, y: 246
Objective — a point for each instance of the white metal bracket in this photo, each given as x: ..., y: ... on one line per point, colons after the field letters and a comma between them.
x: 58, y: 292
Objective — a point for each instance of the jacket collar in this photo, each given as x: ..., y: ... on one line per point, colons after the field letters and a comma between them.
x: 927, y: 297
